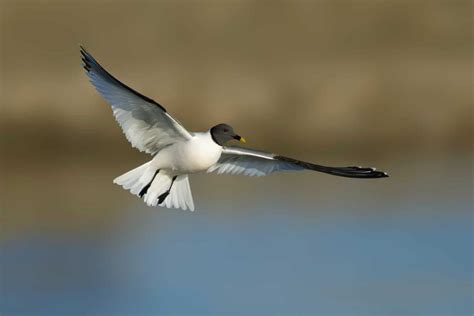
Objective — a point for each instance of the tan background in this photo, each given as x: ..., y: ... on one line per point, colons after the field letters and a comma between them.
x: 326, y: 74
x: 370, y: 82
x: 376, y: 83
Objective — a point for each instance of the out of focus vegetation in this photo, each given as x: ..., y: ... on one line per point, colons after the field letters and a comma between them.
x: 378, y: 77
x: 380, y: 83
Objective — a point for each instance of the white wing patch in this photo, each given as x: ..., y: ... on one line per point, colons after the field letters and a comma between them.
x: 146, y: 124
x: 235, y: 160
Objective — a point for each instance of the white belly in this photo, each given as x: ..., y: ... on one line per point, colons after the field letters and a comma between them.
x: 195, y: 155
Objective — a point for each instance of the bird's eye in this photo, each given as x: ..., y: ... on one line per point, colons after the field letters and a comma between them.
x: 226, y: 130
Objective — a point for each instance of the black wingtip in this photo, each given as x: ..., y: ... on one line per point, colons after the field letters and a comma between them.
x: 85, y: 57
x: 83, y: 50
x: 349, y: 172
x: 90, y: 63
x: 378, y: 174
x: 355, y: 172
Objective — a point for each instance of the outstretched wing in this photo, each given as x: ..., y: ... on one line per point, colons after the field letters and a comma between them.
x: 146, y: 123
x: 236, y: 160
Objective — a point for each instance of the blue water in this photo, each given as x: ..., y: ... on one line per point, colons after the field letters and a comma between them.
x: 278, y: 261
x: 292, y: 244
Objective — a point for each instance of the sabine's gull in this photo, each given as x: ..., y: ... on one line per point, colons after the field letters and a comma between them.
x: 177, y: 152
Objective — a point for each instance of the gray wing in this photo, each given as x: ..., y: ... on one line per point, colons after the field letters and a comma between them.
x: 146, y: 124
x: 237, y: 160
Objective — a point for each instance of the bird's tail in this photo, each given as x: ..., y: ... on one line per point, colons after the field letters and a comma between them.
x: 155, y: 185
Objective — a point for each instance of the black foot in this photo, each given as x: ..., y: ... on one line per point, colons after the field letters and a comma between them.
x: 144, y: 190
x: 146, y: 187
x: 163, y: 196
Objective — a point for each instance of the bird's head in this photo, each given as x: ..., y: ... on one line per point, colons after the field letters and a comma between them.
x: 222, y: 133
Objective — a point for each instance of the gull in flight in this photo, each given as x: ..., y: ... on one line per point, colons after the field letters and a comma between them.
x: 177, y: 152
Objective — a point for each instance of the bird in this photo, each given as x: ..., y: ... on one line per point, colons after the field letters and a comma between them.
x: 177, y: 152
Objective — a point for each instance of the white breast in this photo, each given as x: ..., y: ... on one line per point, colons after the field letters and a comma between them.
x: 195, y: 155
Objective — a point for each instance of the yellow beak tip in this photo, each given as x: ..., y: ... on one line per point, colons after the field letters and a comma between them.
x: 243, y: 140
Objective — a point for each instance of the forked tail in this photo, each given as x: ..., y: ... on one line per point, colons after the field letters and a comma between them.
x: 158, y: 187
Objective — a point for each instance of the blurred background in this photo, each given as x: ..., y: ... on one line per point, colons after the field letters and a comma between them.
x: 372, y: 83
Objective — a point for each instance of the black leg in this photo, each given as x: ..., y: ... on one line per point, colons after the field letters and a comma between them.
x: 163, y: 196
x: 146, y: 187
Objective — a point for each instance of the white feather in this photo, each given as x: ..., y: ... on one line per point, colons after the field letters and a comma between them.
x: 146, y: 124
x: 236, y: 160
x: 180, y: 194
x: 135, y: 178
